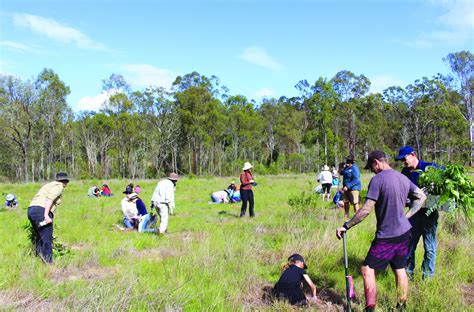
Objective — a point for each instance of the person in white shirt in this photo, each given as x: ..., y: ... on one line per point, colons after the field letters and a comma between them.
x: 163, y: 199
x: 130, y: 212
x: 325, y: 178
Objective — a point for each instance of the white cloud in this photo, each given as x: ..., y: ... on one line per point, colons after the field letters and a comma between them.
x: 454, y: 26
x: 95, y: 103
x: 145, y: 75
x: 459, y: 15
x: 264, y: 93
x: 17, y: 46
x: 382, y: 82
x: 3, y: 71
x: 258, y: 56
x: 54, y: 30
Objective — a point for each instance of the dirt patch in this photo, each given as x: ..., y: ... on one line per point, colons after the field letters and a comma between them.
x: 467, y: 291
x: 154, y: 253
x: 190, y: 236
x: 81, y: 246
x: 23, y: 301
x: 88, y: 273
x: 260, y: 296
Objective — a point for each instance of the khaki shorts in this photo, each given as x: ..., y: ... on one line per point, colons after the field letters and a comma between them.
x: 351, y: 197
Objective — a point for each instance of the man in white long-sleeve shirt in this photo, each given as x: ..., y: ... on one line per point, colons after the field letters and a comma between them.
x: 163, y: 199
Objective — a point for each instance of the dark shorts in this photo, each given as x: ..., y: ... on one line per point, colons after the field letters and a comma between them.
x: 385, y: 251
x: 327, y: 188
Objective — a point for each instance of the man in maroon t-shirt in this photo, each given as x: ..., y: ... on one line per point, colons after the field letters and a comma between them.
x: 387, y: 193
x: 246, y: 193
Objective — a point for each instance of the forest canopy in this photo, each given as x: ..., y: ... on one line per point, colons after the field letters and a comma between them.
x: 198, y: 128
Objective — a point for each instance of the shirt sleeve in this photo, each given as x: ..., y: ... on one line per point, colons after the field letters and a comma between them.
x: 373, y: 191
x: 355, y: 177
x: 170, y: 194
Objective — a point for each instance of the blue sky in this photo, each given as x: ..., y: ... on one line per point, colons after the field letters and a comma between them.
x: 256, y: 48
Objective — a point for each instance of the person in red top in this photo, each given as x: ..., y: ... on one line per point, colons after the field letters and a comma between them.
x: 246, y: 193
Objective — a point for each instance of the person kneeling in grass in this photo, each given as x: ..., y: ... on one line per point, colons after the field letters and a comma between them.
x: 135, y: 214
x: 289, y: 286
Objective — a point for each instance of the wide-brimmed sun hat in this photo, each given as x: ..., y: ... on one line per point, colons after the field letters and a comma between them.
x: 173, y: 177
x: 247, y: 166
x: 61, y: 176
x: 325, y: 167
x: 10, y: 197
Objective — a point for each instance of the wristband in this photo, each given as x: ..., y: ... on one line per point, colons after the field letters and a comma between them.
x: 345, y: 226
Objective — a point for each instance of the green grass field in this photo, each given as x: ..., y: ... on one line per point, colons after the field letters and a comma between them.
x: 211, y: 260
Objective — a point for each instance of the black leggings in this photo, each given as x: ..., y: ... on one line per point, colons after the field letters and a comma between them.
x: 246, y: 195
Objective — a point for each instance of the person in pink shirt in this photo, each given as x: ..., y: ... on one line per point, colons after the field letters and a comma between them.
x: 138, y: 189
x: 106, y: 190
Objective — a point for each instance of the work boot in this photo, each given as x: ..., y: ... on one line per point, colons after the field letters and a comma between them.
x: 369, y: 309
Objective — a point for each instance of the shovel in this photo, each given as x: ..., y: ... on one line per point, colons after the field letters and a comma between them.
x: 349, y: 284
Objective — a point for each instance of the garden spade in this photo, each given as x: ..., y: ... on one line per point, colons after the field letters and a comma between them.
x: 349, y: 284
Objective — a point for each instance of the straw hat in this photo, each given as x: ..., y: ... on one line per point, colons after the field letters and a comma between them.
x: 247, y: 166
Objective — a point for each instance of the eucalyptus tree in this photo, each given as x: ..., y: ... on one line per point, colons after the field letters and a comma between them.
x: 320, y: 101
x: 372, y: 124
x: 462, y: 65
x: 350, y: 88
x: 421, y: 95
x: 17, y: 119
x: 201, y: 117
x: 161, y: 129
x: 54, y: 110
x: 283, y: 130
x: 397, y: 100
x: 242, y: 134
x: 120, y: 107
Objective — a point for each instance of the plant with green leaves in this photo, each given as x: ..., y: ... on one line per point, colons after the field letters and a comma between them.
x: 451, y: 185
x: 59, y: 249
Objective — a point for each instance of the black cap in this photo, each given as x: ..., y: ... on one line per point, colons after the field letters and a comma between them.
x: 297, y: 257
x: 61, y: 176
x: 376, y: 154
x: 350, y: 159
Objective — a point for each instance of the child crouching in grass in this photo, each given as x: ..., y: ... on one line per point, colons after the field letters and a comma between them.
x: 289, y: 286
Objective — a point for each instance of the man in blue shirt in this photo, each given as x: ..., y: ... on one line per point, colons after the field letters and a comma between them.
x: 422, y: 225
x: 351, y: 185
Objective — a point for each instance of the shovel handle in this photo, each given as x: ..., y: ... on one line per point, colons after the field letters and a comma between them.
x: 349, y: 284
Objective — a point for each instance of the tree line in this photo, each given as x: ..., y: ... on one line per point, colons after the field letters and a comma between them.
x: 198, y: 128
